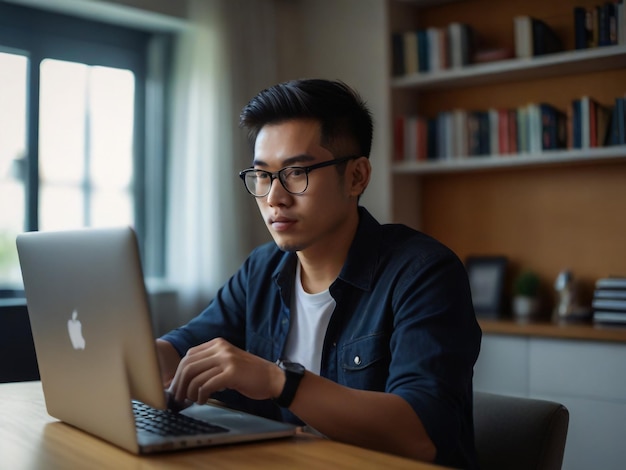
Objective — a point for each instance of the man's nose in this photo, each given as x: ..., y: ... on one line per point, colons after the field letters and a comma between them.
x: 278, y: 194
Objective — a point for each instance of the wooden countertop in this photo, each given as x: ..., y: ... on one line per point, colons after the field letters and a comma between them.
x: 545, y: 329
x: 31, y: 440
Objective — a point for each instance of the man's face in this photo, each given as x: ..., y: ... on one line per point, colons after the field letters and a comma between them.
x: 315, y: 218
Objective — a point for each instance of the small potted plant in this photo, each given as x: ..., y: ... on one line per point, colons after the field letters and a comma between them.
x: 526, y: 302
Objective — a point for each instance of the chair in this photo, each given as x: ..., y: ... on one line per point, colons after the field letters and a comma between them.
x: 18, y: 361
x: 514, y: 433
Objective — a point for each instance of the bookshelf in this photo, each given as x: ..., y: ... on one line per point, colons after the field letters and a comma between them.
x: 547, y: 211
x: 559, y: 64
x: 545, y: 158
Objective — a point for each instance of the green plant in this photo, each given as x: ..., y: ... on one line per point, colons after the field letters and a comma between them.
x: 527, y: 284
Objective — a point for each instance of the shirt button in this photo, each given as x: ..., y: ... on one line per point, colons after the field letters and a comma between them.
x: 357, y: 360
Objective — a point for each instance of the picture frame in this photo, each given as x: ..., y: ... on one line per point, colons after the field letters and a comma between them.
x: 487, y: 275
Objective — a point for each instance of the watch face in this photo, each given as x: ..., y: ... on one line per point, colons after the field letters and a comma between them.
x: 293, y: 367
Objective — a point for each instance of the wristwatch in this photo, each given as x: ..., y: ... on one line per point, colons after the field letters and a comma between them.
x: 293, y: 374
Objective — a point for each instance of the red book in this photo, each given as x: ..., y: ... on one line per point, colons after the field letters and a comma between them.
x: 422, y: 139
x: 398, y: 138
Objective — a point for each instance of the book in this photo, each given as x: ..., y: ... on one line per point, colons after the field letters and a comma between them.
x: 594, y: 28
x: 504, y: 127
x: 613, y: 282
x: 522, y: 28
x: 620, y: 117
x: 580, y: 28
x: 410, y: 138
x: 444, y: 48
x: 602, y: 120
x: 461, y: 44
x: 533, y: 37
x: 603, y: 25
x: 459, y: 129
x: 415, y: 138
x: 591, y: 122
x: 619, y: 294
x: 434, y: 46
x: 545, y: 40
x: 607, y: 23
x: 522, y: 130
x: 484, y: 129
x: 553, y: 127
x: 609, y: 304
x: 444, y: 135
x: 612, y: 20
x: 609, y: 317
x: 494, y: 131
x: 398, y: 138
x: 410, y: 52
x: 512, y: 131
x: 576, y: 125
x: 478, y: 133
x: 473, y: 133
x: 534, y: 127
x: 397, y: 54
x: 432, y: 144
x: 620, y: 20
x: 423, y: 51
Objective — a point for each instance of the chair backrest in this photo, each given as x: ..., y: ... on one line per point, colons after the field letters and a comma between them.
x: 18, y: 361
x: 515, y: 433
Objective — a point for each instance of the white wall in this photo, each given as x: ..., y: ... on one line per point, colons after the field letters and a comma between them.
x: 346, y: 40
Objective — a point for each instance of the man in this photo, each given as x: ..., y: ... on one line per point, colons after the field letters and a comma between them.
x: 365, y: 332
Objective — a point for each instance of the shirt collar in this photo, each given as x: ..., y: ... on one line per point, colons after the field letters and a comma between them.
x: 360, y: 265
x: 363, y: 255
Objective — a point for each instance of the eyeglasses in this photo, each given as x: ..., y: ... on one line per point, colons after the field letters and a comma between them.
x: 295, y: 179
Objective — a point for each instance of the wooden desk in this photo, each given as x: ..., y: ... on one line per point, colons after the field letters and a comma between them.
x: 31, y: 439
x: 582, y: 331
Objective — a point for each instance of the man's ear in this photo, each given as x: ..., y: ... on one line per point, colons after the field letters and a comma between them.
x: 359, y: 176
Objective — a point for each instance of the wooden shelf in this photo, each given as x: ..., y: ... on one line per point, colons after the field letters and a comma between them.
x: 578, y: 331
x: 479, y: 163
x: 563, y: 63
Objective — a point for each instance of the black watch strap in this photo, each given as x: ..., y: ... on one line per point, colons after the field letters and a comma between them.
x: 293, y: 375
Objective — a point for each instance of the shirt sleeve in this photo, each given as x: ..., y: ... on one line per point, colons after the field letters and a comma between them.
x: 434, y: 345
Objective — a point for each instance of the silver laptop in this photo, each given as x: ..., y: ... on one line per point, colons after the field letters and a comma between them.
x: 95, y: 344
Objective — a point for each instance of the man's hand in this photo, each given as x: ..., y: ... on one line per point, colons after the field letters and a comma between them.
x: 168, y: 361
x: 218, y: 365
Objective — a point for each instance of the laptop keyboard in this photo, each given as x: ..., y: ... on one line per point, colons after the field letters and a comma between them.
x: 168, y: 423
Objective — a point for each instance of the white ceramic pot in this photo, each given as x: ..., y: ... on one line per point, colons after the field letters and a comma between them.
x: 525, y: 307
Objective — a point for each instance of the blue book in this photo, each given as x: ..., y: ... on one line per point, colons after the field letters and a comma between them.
x: 580, y: 27
x: 422, y: 48
x: 614, y: 135
x: 432, y: 139
x: 576, y: 125
x: 620, y: 105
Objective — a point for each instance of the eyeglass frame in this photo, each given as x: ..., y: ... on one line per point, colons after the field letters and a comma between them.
x: 307, y: 169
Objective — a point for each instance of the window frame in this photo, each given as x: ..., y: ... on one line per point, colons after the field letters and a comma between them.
x: 40, y: 34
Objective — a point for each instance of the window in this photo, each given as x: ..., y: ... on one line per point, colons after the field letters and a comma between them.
x: 13, y: 71
x: 86, y: 158
x: 72, y: 129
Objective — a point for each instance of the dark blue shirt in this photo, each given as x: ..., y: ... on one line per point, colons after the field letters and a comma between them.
x: 403, y: 324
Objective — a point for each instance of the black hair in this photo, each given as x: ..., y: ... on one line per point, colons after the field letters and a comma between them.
x: 345, y: 121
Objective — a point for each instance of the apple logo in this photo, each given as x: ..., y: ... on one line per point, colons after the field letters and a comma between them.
x: 75, y: 329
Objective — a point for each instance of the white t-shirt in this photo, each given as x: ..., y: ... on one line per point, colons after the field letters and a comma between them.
x: 310, y: 315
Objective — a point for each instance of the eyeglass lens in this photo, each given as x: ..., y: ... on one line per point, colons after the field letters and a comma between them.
x: 293, y: 180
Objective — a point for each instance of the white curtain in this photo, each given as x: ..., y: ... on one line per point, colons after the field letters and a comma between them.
x: 208, y: 210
